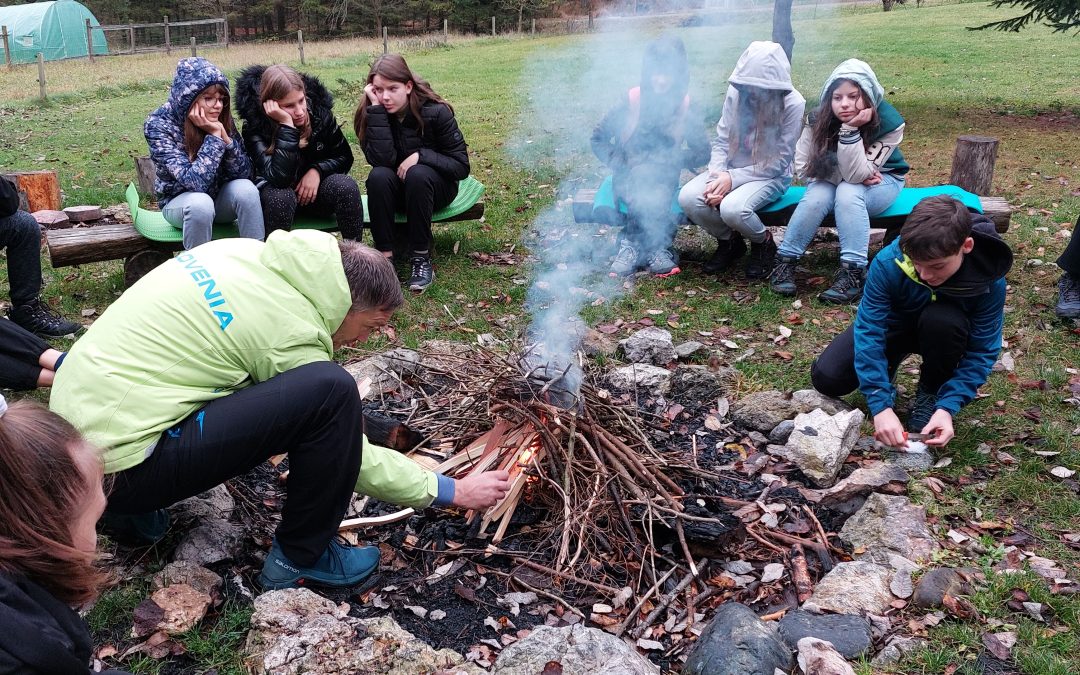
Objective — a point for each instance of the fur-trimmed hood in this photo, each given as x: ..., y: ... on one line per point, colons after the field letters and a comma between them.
x: 319, y: 100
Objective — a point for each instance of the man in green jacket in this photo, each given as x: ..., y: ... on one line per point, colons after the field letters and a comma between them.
x: 221, y: 358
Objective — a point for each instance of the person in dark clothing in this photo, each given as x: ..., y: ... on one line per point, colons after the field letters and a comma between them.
x: 647, y: 140
x: 1068, y: 304
x: 939, y: 291
x: 26, y: 361
x: 51, y: 482
x: 20, y: 234
x: 300, y: 156
x: 417, y: 154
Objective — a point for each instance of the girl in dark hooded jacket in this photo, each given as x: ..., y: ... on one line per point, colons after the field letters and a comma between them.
x: 417, y: 154
x: 51, y: 482
x: 647, y: 140
x: 203, y: 173
x: 301, y: 158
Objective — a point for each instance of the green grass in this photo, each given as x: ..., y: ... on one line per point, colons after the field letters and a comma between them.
x: 526, y: 108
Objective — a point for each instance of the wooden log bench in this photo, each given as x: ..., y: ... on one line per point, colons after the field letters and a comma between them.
x: 146, y: 244
x: 970, y: 180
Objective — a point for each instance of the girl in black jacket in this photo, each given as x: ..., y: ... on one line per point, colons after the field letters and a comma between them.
x: 301, y: 158
x: 51, y: 482
x: 417, y: 156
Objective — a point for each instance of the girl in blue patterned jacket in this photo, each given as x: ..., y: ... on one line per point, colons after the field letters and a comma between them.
x: 203, y: 173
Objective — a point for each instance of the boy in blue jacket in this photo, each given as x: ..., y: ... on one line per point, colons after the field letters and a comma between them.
x: 937, y: 291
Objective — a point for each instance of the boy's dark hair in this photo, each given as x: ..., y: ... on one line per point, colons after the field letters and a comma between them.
x: 936, y: 228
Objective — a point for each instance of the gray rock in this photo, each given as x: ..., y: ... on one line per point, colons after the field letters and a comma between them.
x: 857, y: 587
x: 932, y: 587
x: 295, y: 631
x: 865, y: 479
x: 580, y: 650
x: 891, y: 654
x: 911, y: 461
x: 818, y: 657
x: 758, y: 439
x: 850, y: 635
x: 214, y: 504
x: 736, y: 642
x: 901, y: 585
x: 781, y: 432
x: 595, y: 343
x: 811, y: 399
x: 701, y: 383
x: 820, y: 443
x: 763, y: 410
x: 890, y: 525
x: 655, y: 379
x: 688, y: 349
x: 187, y: 572
x: 385, y: 370
x: 212, y: 541
x: 649, y: 345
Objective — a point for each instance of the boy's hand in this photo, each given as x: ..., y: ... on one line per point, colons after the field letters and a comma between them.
x: 939, y: 429
x: 888, y: 430
x: 481, y: 490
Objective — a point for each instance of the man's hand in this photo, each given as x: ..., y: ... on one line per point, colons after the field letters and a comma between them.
x: 888, y: 430
x: 308, y: 187
x: 939, y: 429
x: 717, y: 189
x: 481, y: 490
x: 409, y: 163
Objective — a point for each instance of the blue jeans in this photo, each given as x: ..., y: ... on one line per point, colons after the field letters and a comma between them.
x: 736, y: 212
x: 196, y: 212
x: 852, y: 204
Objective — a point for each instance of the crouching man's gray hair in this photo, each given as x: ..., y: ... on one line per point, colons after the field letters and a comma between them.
x: 372, y: 280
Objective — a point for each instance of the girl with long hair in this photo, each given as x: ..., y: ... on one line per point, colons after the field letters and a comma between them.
x: 203, y: 173
x: 647, y: 140
x: 751, y: 163
x: 848, y: 154
x: 51, y: 496
x: 301, y: 158
x: 417, y: 154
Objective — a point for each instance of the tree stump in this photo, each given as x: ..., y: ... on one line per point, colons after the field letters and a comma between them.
x: 973, y: 163
x: 41, y: 187
x: 145, y: 170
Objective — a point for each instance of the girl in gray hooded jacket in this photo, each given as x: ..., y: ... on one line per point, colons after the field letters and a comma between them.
x: 751, y: 159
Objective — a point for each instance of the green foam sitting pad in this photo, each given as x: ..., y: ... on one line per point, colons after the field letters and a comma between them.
x: 903, y: 205
x: 153, y: 226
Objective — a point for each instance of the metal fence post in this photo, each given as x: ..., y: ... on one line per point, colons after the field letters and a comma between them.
x: 300, y: 44
x: 168, y: 42
x: 41, y: 75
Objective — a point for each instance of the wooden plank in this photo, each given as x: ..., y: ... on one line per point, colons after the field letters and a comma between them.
x: 80, y: 245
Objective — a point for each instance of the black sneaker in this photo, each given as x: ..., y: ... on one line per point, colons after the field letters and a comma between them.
x: 782, y: 278
x: 422, y: 274
x: 726, y: 253
x: 847, y: 285
x: 922, y: 410
x: 760, y: 263
x: 1068, y: 304
x: 39, y: 319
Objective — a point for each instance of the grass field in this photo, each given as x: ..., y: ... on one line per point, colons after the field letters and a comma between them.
x: 526, y: 107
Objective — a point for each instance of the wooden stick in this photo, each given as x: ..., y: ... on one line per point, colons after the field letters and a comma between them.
x: 800, y: 574
x: 375, y: 521
x: 774, y: 616
x: 565, y: 575
x: 665, y: 601
x: 769, y: 545
x: 821, y: 551
x: 632, y: 615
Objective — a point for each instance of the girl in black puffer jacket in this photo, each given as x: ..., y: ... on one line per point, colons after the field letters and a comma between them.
x: 417, y: 156
x: 301, y: 158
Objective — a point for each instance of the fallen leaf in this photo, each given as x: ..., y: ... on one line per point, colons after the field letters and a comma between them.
x: 437, y: 615
x: 772, y: 572
x: 607, y: 328
x: 649, y: 644
x: 552, y: 668
x: 89, y: 312
x: 785, y: 356
x: 730, y: 344
x: 713, y: 424
x: 1062, y: 472
x: 1000, y: 644
x: 959, y: 607
x: 417, y: 610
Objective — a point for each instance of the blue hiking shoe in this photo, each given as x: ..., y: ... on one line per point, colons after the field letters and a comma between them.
x: 922, y: 410
x: 339, y: 566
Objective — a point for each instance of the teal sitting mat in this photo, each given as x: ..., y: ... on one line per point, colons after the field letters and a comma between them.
x: 153, y: 226
x: 604, y: 201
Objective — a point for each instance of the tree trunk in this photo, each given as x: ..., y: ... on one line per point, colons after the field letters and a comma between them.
x: 521, y: 10
x: 781, y: 26
x: 886, y: 5
x: 279, y: 11
x: 973, y: 163
x: 42, y: 189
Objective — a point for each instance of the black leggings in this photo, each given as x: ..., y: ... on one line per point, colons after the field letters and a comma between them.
x: 19, y: 353
x: 313, y: 412
x: 338, y: 195
x: 1070, y: 258
x: 939, y: 335
x: 422, y: 191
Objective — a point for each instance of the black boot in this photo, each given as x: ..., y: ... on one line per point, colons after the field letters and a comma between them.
x: 847, y: 285
x: 726, y: 253
x: 39, y: 319
x: 782, y: 279
x: 760, y: 263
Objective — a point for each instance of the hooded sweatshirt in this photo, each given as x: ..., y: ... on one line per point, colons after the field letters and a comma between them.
x: 215, y: 163
x: 326, y: 150
x: 763, y: 65
x: 213, y: 320
x: 854, y: 161
x: 894, y: 296
x: 40, y: 635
